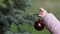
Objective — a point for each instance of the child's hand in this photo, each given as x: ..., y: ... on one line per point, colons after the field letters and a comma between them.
x: 42, y: 12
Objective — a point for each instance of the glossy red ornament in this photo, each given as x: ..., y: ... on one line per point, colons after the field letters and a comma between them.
x: 39, y: 25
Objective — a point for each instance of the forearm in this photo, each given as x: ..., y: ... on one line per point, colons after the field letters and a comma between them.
x: 52, y: 23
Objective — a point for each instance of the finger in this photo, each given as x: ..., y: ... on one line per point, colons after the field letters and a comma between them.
x: 42, y: 12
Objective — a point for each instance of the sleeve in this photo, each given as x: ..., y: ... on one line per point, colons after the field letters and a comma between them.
x: 52, y: 23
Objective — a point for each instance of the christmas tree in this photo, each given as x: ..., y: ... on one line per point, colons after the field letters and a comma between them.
x: 14, y: 13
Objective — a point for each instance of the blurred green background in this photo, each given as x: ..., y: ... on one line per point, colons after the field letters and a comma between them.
x: 52, y: 6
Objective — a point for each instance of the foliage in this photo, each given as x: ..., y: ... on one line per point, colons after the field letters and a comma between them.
x: 13, y: 13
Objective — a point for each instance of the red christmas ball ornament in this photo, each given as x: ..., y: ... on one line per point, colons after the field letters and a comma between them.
x: 39, y: 25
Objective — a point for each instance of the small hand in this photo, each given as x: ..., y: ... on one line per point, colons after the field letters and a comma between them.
x: 42, y: 12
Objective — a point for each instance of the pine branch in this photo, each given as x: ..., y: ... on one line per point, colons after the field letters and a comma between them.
x: 10, y: 16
